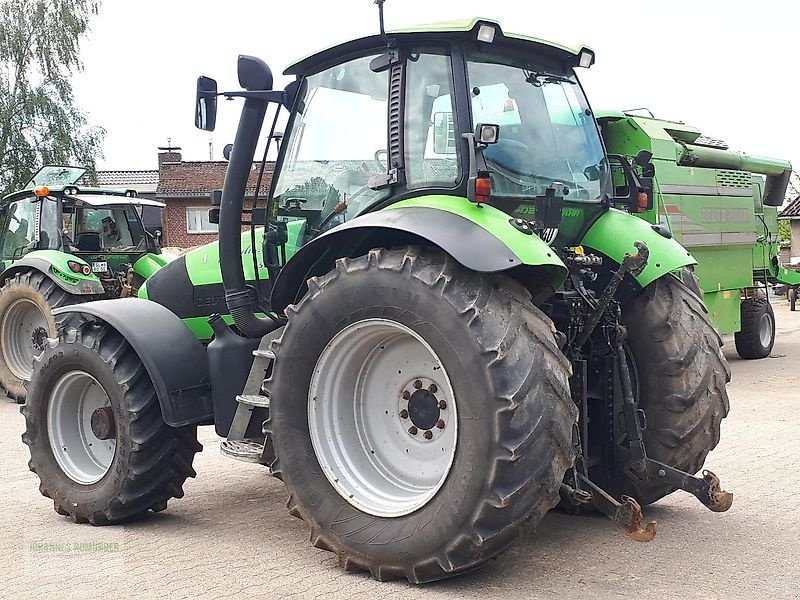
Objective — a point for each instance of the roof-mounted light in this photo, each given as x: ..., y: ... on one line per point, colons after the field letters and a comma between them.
x: 586, y: 58
x: 71, y: 191
x: 41, y: 191
x: 486, y: 33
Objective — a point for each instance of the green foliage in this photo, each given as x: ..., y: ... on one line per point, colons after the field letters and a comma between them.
x: 39, y: 120
x: 784, y: 231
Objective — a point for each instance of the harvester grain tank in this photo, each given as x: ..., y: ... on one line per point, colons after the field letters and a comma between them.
x: 720, y: 204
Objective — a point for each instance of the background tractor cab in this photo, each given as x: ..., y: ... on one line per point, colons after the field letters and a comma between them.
x: 61, y: 244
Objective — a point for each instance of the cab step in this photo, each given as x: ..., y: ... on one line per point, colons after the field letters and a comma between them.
x: 248, y: 450
x: 256, y: 400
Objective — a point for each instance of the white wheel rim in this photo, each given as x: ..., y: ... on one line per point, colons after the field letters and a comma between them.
x: 22, y: 321
x: 82, y: 456
x: 371, y: 385
x: 765, y: 330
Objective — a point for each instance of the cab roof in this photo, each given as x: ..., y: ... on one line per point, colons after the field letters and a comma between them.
x: 466, y: 29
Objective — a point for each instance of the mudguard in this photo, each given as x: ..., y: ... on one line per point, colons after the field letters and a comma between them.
x: 175, y: 361
x: 54, y: 264
x: 481, y: 238
x: 614, y: 233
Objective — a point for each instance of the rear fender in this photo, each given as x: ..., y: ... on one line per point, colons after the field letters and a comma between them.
x: 53, y: 264
x: 481, y: 238
x: 175, y: 361
x: 614, y: 233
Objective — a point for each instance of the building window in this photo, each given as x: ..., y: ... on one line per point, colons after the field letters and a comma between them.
x: 197, y: 221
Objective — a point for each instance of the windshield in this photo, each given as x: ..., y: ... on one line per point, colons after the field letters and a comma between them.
x: 110, y: 229
x: 547, y: 132
x: 338, y: 141
x: 56, y: 177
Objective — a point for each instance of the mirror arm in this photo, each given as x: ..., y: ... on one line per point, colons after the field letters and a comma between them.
x: 267, y: 95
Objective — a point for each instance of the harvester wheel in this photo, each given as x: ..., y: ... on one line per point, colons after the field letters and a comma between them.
x: 26, y: 321
x: 97, y: 439
x: 792, y: 295
x: 681, y: 375
x: 757, y: 336
x: 420, y: 414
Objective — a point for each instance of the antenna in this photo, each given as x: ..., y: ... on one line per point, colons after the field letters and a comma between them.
x: 380, y: 16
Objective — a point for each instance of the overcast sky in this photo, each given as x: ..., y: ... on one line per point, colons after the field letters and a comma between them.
x: 728, y: 68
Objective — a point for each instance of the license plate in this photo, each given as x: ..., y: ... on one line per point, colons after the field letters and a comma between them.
x: 100, y: 266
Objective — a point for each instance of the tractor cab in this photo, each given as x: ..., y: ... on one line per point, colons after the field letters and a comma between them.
x: 99, y: 226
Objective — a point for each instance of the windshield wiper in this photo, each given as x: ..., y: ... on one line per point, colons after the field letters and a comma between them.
x: 540, y: 78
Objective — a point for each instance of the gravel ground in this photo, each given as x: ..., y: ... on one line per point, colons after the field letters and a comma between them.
x: 231, y: 536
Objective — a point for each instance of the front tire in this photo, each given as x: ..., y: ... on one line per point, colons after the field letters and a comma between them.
x: 94, y: 429
x: 681, y: 375
x: 757, y: 336
x: 26, y: 321
x: 365, y: 341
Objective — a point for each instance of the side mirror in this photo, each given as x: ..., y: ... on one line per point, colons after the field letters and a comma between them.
x: 635, y: 192
x: 226, y: 151
x: 642, y: 158
x: 205, y: 116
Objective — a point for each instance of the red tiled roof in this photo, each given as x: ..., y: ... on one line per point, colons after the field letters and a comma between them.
x: 188, y: 179
x: 792, y: 211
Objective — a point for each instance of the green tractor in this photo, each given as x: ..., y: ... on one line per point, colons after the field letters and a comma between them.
x: 723, y: 206
x: 63, y: 244
x: 456, y: 330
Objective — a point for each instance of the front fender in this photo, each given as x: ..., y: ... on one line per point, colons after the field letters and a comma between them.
x: 53, y: 264
x: 480, y: 238
x: 614, y: 233
x: 149, y: 264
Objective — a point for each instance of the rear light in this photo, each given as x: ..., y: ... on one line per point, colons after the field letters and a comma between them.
x: 483, y: 189
x: 643, y: 202
x: 77, y: 267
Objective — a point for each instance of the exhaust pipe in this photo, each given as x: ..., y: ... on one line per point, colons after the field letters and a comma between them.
x: 254, y: 75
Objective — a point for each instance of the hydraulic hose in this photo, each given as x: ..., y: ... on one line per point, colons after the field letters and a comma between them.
x: 237, y: 296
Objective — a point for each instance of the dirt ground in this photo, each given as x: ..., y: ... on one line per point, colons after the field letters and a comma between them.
x: 231, y: 536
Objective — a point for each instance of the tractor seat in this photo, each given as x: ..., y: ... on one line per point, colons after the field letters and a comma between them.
x: 88, y: 241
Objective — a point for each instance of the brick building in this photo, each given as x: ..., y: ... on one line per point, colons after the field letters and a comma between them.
x: 792, y: 214
x: 185, y: 187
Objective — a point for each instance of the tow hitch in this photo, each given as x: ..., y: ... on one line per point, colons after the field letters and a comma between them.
x: 627, y: 513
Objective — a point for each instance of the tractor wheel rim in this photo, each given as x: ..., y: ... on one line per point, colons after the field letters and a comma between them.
x: 765, y: 330
x: 82, y: 456
x: 21, y: 322
x: 382, y: 418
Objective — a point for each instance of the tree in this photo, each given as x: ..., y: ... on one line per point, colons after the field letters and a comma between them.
x: 39, y: 120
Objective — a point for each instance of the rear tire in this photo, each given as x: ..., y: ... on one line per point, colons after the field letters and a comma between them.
x: 681, y: 375
x: 26, y: 320
x: 140, y: 465
x: 510, y: 417
x: 757, y: 335
x: 792, y: 295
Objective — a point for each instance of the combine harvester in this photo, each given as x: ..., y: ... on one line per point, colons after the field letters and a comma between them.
x: 722, y: 206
